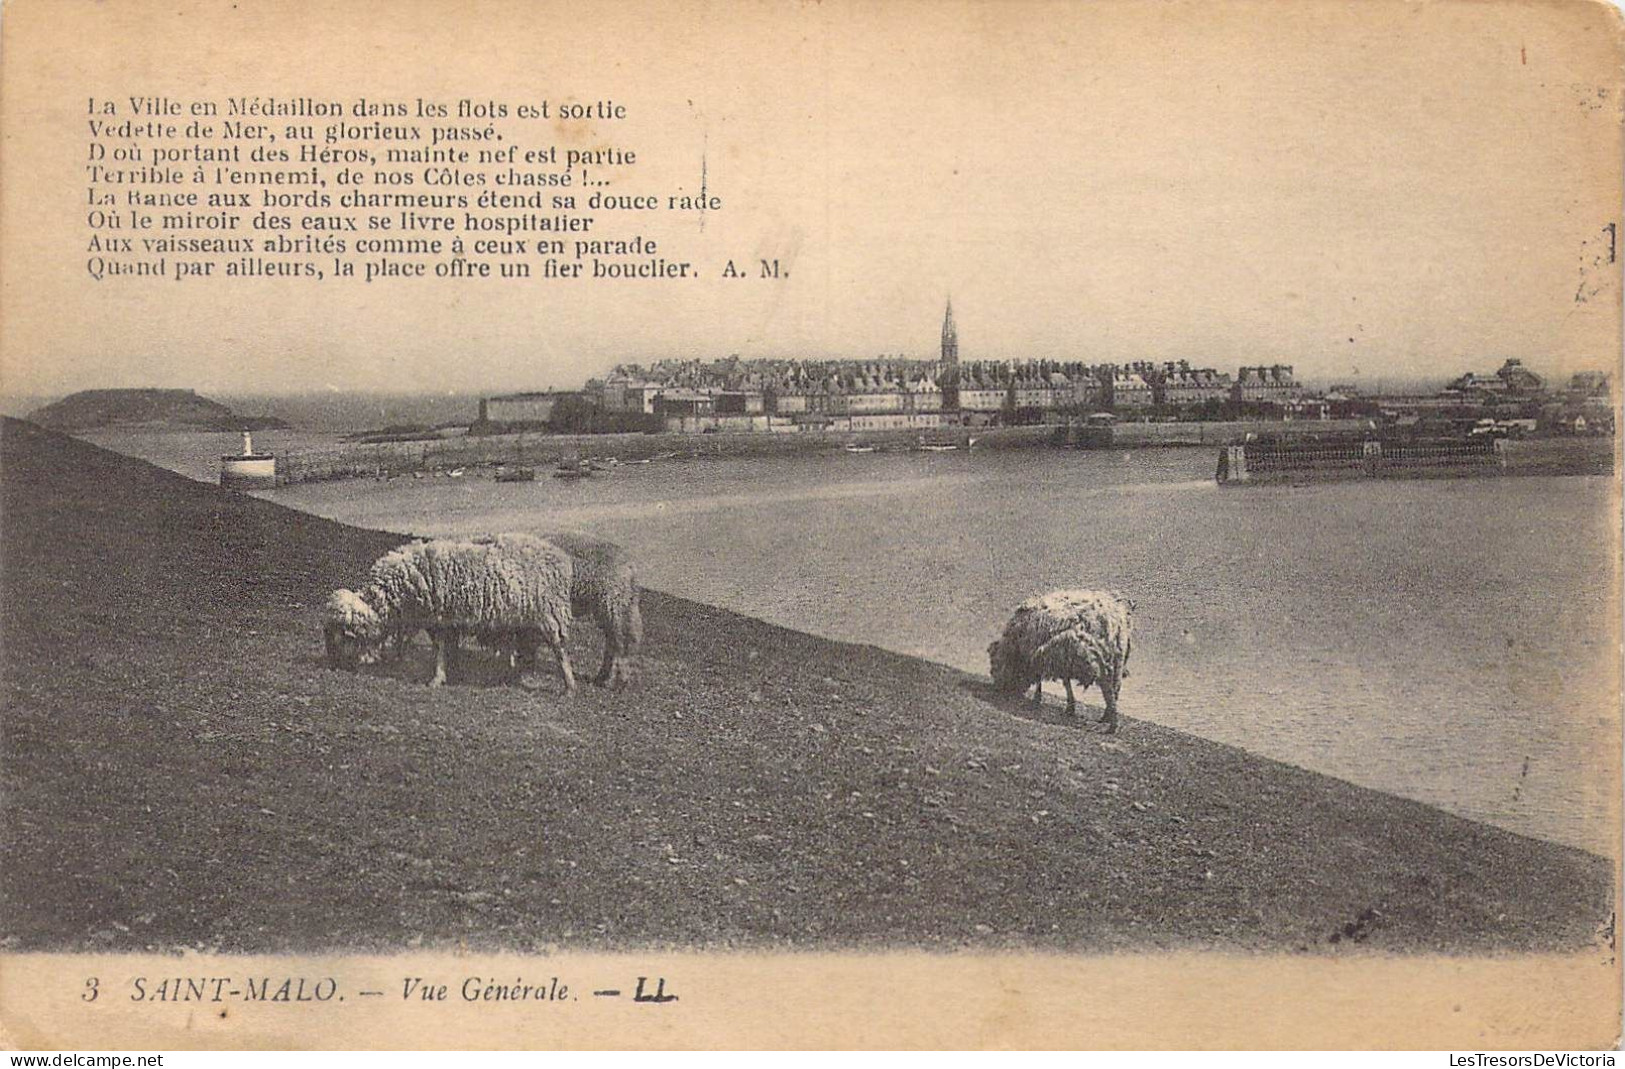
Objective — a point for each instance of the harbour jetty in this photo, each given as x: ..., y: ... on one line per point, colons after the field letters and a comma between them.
x: 1274, y: 460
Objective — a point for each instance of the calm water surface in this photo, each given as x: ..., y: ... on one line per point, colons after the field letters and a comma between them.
x: 1443, y: 640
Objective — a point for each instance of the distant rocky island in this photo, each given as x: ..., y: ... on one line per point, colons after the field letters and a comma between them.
x: 179, y: 409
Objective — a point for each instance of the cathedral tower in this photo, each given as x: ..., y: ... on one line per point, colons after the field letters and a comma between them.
x: 950, y: 338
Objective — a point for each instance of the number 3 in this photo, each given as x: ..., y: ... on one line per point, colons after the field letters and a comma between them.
x: 91, y: 991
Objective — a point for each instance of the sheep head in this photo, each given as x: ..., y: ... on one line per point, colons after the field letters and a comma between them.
x: 352, y: 630
x: 1007, y: 667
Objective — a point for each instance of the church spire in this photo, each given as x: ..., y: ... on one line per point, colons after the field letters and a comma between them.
x: 950, y: 337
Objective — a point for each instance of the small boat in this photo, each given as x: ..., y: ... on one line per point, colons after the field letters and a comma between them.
x: 516, y: 475
x: 455, y: 473
x: 854, y: 447
x: 935, y: 448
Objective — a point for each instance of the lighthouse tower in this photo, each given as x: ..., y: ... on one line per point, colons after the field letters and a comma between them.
x: 950, y: 338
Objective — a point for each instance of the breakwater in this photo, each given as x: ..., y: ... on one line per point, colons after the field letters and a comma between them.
x: 1283, y: 461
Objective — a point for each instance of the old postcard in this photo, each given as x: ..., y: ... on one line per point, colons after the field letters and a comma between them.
x: 829, y: 524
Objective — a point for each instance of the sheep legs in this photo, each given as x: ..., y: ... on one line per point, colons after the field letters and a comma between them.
x: 606, y: 671
x: 613, y: 672
x: 1108, y: 688
x: 556, y: 637
x: 564, y: 667
x: 445, y: 645
x: 1072, y: 699
x: 394, y: 648
x: 523, y: 656
x: 622, y: 630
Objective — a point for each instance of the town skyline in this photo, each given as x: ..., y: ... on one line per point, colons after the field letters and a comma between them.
x: 15, y: 402
x: 948, y: 335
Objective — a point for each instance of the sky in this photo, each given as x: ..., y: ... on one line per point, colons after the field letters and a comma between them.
x: 1371, y: 192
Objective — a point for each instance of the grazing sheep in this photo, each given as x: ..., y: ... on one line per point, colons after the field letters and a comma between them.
x: 605, y: 588
x: 1069, y: 634
x: 513, y: 586
x: 347, y: 623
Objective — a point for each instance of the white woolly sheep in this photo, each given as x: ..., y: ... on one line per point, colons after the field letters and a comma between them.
x: 516, y: 586
x: 605, y: 588
x: 1068, y: 634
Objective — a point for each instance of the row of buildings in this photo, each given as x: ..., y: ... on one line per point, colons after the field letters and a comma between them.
x: 892, y: 393
x: 1511, y: 391
x: 873, y: 395
x: 896, y: 392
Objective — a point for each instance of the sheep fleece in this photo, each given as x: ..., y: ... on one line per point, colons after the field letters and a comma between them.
x: 1056, y: 635
x: 605, y: 588
x: 606, y: 585
x: 520, y: 582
